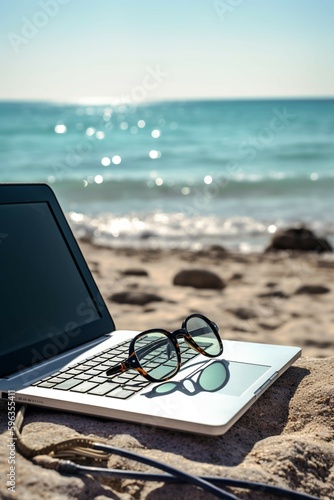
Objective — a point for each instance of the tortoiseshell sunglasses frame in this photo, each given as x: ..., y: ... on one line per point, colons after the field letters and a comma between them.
x: 132, y: 362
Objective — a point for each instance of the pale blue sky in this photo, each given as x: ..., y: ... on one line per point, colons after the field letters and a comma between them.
x: 107, y: 49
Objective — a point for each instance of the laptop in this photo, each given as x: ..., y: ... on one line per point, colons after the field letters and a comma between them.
x: 57, y: 338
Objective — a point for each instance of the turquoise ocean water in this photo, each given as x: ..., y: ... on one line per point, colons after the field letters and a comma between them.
x: 178, y: 174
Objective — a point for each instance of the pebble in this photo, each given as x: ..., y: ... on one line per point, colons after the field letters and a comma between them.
x: 135, y: 298
x: 198, y: 278
x: 243, y: 313
x: 312, y: 289
x: 300, y: 239
x: 135, y: 271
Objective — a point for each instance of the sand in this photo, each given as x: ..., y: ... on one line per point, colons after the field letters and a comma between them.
x: 259, y: 302
x: 286, y: 438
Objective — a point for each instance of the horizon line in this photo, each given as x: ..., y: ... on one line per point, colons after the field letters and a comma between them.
x: 114, y: 102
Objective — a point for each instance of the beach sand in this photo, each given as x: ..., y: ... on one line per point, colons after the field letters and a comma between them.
x: 279, y: 298
x: 287, y: 436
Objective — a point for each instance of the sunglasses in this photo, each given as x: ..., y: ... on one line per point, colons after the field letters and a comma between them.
x: 156, y: 355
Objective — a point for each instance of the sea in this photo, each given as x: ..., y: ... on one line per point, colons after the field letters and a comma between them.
x: 182, y: 174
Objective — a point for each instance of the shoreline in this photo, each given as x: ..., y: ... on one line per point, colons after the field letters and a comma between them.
x: 279, y: 297
x: 174, y: 231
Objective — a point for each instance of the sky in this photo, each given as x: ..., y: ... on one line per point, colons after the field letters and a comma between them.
x: 108, y: 51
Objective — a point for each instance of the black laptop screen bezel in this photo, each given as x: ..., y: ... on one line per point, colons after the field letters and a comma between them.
x: 26, y: 356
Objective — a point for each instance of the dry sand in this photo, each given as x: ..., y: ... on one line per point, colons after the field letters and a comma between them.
x: 286, y: 438
x: 258, y: 304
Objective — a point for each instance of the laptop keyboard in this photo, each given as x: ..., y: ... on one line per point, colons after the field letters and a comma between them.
x: 89, y: 376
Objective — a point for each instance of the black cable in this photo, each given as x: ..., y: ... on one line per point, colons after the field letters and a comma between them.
x: 189, y: 478
x: 213, y: 480
x: 84, y: 447
x: 68, y: 467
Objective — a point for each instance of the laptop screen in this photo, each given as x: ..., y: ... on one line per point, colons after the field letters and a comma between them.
x: 44, y: 297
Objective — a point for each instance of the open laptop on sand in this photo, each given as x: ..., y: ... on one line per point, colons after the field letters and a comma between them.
x: 57, y: 338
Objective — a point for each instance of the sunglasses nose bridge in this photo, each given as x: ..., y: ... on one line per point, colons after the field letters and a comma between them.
x: 183, y: 332
x: 180, y: 332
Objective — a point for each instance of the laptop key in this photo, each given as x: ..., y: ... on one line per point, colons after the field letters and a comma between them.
x: 120, y: 393
x: 136, y: 389
x: 117, y: 380
x: 98, y: 379
x: 106, y: 366
x: 127, y: 375
x: 99, y: 359
x: 54, y: 380
x: 116, y: 357
x: 91, y: 362
x: 102, y: 389
x: 67, y: 384
x: 84, y: 386
x: 93, y: 371
x: 136, y: 383
x: 83, y: 376
x: 73, y: 371
x: 46, y: 384
x: 84, y: 366
x: 65, y: 375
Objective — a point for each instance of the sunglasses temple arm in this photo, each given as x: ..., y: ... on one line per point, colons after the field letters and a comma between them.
x: 121, y: 368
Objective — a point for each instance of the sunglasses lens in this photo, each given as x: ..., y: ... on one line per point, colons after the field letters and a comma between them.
x: 203, y: 335
x: 157, y: 355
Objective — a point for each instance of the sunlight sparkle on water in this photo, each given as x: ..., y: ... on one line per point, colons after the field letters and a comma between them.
x: 155, y: 133
x: 272, y: 229
x: 105, y: 161
x: 100, y: 135
x: 141, y: 123
x: 116, y: 159
x: 76, y: 217
x: 107, y: 114
x: 314, y: 176
x: 60, y: 129
x: 154, y: 154
x: 98, y: 179
x: 159, y: 181
x: 90, y: 131
x: 208, y: 179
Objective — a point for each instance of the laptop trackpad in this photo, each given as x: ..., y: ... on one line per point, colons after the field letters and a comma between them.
x: 241, y: 377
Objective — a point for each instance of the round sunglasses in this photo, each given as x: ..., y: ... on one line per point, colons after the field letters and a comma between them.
x: 156, y: 355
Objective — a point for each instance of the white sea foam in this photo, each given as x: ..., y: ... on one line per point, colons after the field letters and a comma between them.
x: 171, y: 230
